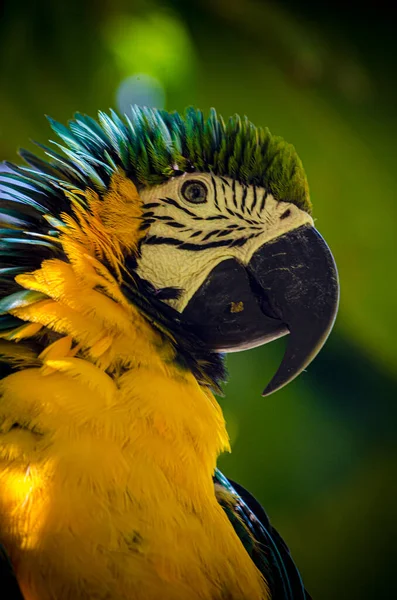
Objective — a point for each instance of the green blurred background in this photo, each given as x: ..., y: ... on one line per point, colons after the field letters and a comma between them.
x: 320, y: 454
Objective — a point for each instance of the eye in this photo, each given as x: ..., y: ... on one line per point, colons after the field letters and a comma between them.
x: 194, y: 191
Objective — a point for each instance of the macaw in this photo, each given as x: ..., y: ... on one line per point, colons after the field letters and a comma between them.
x: 146, y: 248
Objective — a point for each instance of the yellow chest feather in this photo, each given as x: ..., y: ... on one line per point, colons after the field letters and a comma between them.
x: 106, y: 480
x: 101, y: 498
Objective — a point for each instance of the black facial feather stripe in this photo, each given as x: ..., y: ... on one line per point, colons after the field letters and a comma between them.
x: 254, y: 201
x: 176, y: 225
x: 244, y: 197
x: 166, y: 219
x: 211, y: 234
x: 155, y: 240
x: 234, y: 193
x: 239, y: 204
x: 152, y: 205
x: 211, y: 218
x: 285, y: 214
x: 217, y: 233
x: 215, y: 192
x: 238, y: 215
x: 263, y: 202
x: 242, y: 241
x: 146, y: 224
x: 223, y: 233
x: 250, y: 222
x: 215, y: 244
x: 173, y: 202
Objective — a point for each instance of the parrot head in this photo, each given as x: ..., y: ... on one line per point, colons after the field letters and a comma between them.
x: 241, y: 266
x: 207, y: 225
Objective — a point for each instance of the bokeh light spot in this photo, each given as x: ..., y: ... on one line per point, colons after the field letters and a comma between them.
x: 140, y: 89
x: 157, y: 44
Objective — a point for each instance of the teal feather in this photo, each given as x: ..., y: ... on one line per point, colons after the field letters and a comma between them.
x: 74, y: 142
x: 57, y: 171
x: 40, y: 165
x: 262, y: 542
x: 110, y: 161
x: 24, y: 177
x: 10, y: 271
x: 19, y: 300
x: 9, y: 322
x: 20, y: 241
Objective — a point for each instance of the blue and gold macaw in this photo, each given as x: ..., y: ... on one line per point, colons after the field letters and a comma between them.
x: 131, y: 261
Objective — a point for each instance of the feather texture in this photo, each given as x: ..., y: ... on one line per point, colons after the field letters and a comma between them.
x: 109, y: 433
x: 262, y: 542
x: 107, y: 451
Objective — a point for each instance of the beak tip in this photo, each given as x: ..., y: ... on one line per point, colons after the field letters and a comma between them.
x: 310, y: 314
x: 267, y: 391
x: 273, y: 386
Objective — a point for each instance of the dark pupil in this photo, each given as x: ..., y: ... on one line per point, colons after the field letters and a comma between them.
x: 194, y: 192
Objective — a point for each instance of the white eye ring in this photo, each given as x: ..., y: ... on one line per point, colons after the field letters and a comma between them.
x: 194, y: 191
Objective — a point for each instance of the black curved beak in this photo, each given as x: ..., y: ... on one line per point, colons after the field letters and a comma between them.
x: 289, y: 286
x: 298, y: 277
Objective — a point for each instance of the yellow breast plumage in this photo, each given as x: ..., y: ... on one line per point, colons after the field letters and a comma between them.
x: 106, y: 479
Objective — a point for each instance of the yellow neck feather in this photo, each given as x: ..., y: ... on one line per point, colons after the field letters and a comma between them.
x: 107, y: 485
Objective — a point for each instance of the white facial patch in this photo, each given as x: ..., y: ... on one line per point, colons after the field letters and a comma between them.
x: 197, y: 220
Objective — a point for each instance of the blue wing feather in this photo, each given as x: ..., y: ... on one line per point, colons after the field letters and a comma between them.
x: 262, y: 542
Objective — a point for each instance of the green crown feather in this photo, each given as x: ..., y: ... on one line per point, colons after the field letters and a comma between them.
x: 153, y: 145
